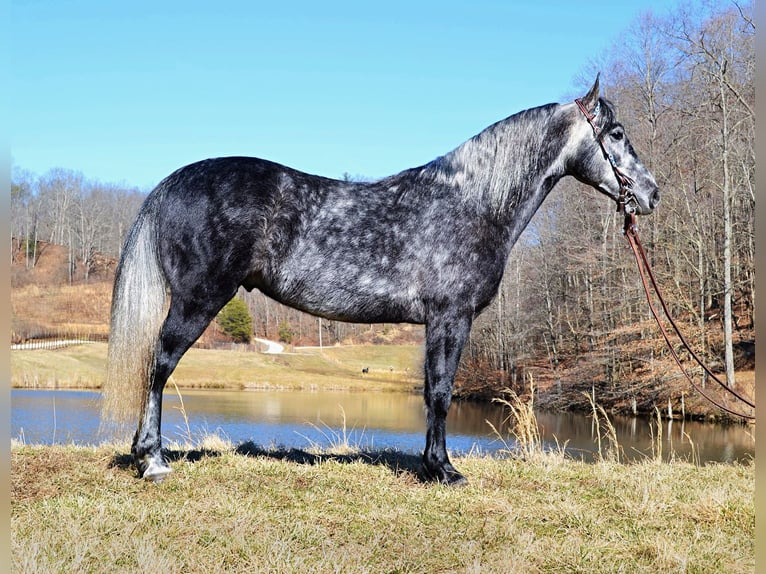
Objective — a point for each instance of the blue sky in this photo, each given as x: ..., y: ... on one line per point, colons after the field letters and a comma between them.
x: 126, y: 92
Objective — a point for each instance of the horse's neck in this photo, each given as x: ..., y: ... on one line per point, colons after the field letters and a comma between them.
x: 509, y: 168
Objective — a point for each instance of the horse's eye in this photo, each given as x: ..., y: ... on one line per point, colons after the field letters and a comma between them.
x: 617, y: 135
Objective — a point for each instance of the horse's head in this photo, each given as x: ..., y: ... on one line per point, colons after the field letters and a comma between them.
x: 605, y: 159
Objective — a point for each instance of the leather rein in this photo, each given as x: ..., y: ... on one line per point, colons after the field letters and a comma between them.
x: 626, y: 203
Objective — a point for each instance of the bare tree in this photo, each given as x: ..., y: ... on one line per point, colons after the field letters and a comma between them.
x: 720, y: 51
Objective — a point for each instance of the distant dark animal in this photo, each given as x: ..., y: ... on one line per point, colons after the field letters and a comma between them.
x: 366, y: 370
x: 427, y: 245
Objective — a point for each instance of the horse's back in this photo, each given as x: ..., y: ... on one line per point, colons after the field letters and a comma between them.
x: 228, y: 184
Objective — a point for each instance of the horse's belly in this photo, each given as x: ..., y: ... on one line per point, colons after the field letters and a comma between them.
x: 350, y: 293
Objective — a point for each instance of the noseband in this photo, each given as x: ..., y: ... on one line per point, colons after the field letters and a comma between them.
x: 626, y: 201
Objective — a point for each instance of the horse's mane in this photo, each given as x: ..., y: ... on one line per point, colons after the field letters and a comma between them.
x: 500, y: 162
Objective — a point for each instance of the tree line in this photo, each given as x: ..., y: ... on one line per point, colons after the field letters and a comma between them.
x: 64, y: 208
x: 683, y: 85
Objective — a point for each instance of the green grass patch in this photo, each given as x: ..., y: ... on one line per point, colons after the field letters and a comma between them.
x: 227, y: 509
x: 391, y: 367
x: 78, y: 366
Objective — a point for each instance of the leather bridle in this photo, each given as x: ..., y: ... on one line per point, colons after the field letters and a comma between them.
x: 626, y: 201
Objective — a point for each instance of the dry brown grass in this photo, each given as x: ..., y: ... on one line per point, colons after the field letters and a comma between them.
x: 76, y: 509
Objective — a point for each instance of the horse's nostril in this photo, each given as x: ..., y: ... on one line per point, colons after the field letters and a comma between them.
x: 655, y: 198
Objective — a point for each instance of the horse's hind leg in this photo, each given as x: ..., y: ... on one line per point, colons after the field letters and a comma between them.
x: 446, y: 333
x: 185, y: 322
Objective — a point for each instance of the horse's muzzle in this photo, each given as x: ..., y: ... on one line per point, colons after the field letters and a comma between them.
x: 642, y: 204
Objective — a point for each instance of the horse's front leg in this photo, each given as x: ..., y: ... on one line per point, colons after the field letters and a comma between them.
x: 446, y: 333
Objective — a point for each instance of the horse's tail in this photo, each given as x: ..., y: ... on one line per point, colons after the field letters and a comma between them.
x: 139, y: 305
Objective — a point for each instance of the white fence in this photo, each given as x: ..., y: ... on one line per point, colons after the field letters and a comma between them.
x: 47, y: 344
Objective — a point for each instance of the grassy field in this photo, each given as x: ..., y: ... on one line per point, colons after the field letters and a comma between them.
x: 391, y: 367
x: 241, y: 509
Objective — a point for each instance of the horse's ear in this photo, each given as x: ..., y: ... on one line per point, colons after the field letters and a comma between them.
x: 591, y: 98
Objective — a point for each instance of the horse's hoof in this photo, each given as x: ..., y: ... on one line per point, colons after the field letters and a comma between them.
x: 446, y: 475
x: 156, y: 473
x: 154, y: 469
x: 455, y: 479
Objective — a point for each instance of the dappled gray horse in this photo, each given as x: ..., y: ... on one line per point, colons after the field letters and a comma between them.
x: 427, y: 245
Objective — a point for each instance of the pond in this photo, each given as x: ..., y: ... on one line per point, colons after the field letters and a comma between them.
x: 368, y: 420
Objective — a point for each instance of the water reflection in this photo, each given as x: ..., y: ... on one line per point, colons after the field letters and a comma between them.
x: 371, y: 420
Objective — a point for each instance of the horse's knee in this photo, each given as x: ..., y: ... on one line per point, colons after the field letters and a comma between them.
x: 439, y: 399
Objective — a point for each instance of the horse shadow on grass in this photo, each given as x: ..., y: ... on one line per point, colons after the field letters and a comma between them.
x: 398, y: 463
